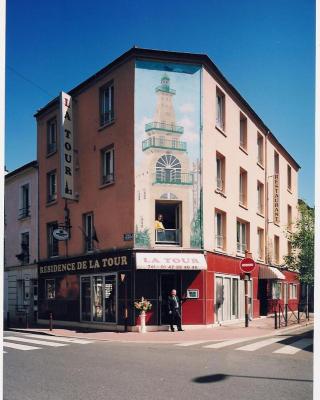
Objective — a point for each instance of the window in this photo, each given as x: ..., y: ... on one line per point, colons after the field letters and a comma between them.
x: 276, y: 291
x: 243, y: 177
x: 276, y: 163
x: 293, y: 291
x: 243, y: 131
x: 242, y: 237
x: 50, y: 289
x: 289, y: 177
x: 220, y: 230
x: 289, y: 218
x: 220, y: 179
x: 260, y: 194
x: 51, y: 186
x: 25, y: 247
x: 260, y: 149
x: 24, y: 210
x: 107, y: 166
x: 220, y: 111
x: 88, y: 230
x: 52, y: 136
x: 276, y: 249
x: 289, y: 248
x: 168, y: 169
x: 106, y: 104
x: 260, y: 244
x: 53, y: 244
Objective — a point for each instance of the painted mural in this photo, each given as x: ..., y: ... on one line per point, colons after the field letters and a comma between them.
x: 167, y: 155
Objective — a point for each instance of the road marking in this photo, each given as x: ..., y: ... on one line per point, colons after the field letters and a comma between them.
x: 4, y: 352
x: 19, y: 346
x: 58, y: 339
x: 226, y: 343
x: 263, y: 343
x: 186, y: 344
x: 294, y: 347
x: 42, y: 342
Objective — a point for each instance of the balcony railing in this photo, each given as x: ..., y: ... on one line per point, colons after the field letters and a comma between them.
x: 109, y: 178
x: 241, y: 248
x: 24, y: 212
x: 219, y: 241
x: 161, y: 126
x: 163, y: 144
x: 167, y: 236
x: 174, y: 178
x: 165, y: 88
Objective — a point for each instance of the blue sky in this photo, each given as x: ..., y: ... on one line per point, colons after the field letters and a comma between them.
x: 265, y: 49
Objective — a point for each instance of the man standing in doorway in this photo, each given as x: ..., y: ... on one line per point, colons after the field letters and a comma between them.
x: 174, y: 310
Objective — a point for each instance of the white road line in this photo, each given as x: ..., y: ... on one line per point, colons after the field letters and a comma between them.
x: 293, y: 348
x: 19, y: 346
x: 262, y: 343
x: 226, y: 343
x: 186, y: 344
x: 58, y: 339
x: 4, y: 352
x: 42, y: 342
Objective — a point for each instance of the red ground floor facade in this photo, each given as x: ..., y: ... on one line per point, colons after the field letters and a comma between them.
x: 99, y: 289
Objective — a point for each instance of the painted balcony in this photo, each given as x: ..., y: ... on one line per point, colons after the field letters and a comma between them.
x: 158, y: 143
x: 172, y: 177
x: 161, y: 126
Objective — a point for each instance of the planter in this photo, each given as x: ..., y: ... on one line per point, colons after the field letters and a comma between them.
x: 142, y: 322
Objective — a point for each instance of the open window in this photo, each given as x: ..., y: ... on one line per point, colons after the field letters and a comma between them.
x: 168, y: 223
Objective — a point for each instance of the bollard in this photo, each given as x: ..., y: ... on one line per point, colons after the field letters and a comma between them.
x: 298, y: 314
x: 286, y: 314
x: 50, y: 322
x: 275, y: 319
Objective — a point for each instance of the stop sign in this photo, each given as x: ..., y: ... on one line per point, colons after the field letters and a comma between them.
x: 247, y: 265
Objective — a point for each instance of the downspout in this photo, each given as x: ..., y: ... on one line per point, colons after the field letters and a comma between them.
x: 266, y: 200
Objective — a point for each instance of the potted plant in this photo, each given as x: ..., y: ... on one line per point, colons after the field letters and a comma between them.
x: 143, y: 305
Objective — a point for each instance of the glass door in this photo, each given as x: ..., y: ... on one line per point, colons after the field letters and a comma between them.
x: 226, y: 299
x: 219, y: 298
x: 235, y: 298
x: 110, y: 299
x: 85, y: 299
x: 167, y: 283
x: 97, y: 303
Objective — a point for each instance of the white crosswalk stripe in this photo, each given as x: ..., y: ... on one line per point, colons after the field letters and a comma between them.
x: 17, y: 346
x: 293, y: 348
x: 33, y: 341
x: 262, y: 343
x: 186, y: 344
x: 58, y: 338
x: 226, y: 343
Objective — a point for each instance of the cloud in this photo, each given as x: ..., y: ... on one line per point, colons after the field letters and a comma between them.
x: 186, y: 108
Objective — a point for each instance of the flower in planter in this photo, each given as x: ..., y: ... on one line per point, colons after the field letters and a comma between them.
x: 143, y: 305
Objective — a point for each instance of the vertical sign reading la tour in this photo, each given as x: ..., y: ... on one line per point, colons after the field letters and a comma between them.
x: 66, y: 146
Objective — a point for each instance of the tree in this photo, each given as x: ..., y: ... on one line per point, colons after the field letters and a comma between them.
x: 302, y: 243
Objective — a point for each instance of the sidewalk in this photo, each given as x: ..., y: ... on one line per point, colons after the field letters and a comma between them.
x: 260, y: 327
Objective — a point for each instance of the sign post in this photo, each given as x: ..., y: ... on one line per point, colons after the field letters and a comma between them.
x: 247, y: 265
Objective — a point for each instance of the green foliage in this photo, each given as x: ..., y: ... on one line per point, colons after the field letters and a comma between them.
x: 142, y: 238
x: 302, y: 242
x: 196, y: 230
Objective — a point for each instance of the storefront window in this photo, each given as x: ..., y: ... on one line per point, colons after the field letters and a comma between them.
x: 276, y: 290
x: 235, y: 298
x: 97, y: 298
x: 85, y: 299
x: 110, y: 298
x: 50, y: 289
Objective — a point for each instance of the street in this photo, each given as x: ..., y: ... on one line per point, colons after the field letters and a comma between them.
x: 41, y: 367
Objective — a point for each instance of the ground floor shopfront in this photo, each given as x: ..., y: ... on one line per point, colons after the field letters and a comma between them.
x: 99, y: 289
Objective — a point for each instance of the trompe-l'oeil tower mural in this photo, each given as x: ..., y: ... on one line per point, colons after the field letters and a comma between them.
x: 167, y: 182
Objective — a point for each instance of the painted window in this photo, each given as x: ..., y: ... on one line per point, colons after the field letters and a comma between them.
x: 51, y: 186
x: 108, y: 166
x: 52, y: 242
x: 50, y: 286
x: 107, y: 104
x: 220, y: 110
x: 168, y: 169
x: 52, y: 136
x: 243, y: 132
x: 220, y: 172
x: 24, y: 210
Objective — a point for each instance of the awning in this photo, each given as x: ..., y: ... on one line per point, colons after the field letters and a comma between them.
x: 266, y: 272
x: 171, y: 261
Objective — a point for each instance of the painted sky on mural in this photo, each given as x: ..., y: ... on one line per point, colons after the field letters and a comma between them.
x: 265, y: 49
x: 186, y: 103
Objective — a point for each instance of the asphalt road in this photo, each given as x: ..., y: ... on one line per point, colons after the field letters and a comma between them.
x: 118, y: 371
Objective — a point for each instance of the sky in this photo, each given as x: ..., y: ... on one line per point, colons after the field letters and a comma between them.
x: 266, y: 49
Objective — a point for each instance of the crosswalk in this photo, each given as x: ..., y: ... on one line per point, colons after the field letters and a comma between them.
x: 28, y: 342
x: 286, y: 345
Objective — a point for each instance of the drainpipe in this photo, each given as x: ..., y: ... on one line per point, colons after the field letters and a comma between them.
x: 266, y: 200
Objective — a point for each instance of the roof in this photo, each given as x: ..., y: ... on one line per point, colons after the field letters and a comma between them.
x: 194, y: 58
x: 32, y: 164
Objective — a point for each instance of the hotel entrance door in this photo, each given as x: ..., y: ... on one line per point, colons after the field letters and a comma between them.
x: 167, y: 281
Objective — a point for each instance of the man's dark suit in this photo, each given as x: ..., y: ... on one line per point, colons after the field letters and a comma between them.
x: 174, y: 312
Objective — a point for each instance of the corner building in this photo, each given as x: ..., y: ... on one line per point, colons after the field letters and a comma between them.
x: 158, y: 132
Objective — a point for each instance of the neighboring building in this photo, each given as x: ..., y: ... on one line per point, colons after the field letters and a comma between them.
x: 21, y: 244
x: 159, y: 132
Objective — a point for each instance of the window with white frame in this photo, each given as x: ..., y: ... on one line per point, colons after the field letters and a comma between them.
x: 242, y: 237
x: 260, y: 243
x: 51, y: 136
x: 107, y: 165
x: 243, y: 178
x: 293, y: 291
x: 50, y: 288
x: 260, y: 149
x: 220, y: 227
x: 88, y: 230
x: 106, y: 104
x: 51, y: 186
x: 220, y: 172
x: 260, y: 195
x: 24, y: 210
x: 220, y: 110
x: 243, y: 131
x: 276, y: 291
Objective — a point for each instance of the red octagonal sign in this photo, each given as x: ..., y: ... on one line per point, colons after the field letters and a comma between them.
x: 247, y: 265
